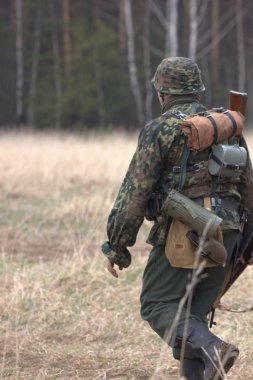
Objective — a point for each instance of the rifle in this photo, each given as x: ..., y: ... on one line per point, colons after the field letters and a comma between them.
x: 240, y: 260
x: 245, y: 250
x: 238, y: 101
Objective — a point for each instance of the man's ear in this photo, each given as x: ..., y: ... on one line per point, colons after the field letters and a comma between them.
x: 161, y: 97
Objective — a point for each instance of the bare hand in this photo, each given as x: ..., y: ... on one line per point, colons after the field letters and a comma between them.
x: 112, y: 270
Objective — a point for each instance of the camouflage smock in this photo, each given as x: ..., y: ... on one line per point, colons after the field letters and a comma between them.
x: 160, y: 146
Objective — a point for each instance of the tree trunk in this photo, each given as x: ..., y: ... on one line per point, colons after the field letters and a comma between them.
x: 66, y: 37
x: 240, y: 47
x: 19, y: 61
x: 57, y: 75
x: 215, y: 39
x: 193, y: 29
x: 147, y: 64
x: 97, y: 68
x: 122, y: 26
x: 171, y: 36
x: 13, y: 16
x: 35, y: 64
x: 132, y: 63
x: 186, y: 26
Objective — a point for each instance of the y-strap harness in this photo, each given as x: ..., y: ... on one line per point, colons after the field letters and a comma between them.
x: 186, y: 151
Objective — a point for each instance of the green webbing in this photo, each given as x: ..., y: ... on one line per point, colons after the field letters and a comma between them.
x: 185, y: 155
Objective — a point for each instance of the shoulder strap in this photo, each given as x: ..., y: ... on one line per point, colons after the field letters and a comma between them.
x: 185, y: 155
x: 183, y: 169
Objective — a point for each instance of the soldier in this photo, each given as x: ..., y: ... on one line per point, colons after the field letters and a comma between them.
x: 160, y: 163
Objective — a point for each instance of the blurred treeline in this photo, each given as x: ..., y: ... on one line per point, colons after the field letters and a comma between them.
x: 88, y: 63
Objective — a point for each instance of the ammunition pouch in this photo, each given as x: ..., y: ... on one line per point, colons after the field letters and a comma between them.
x: 212, y: 249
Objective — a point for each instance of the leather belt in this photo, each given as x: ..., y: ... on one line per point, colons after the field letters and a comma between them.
x: 224, y: 203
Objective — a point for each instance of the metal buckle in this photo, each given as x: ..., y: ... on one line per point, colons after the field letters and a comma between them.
x: 196, y: 167
x: 176, y: 169
x: 180, y: 115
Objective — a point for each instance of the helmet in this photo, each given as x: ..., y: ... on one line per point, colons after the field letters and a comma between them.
x: 178, y: 75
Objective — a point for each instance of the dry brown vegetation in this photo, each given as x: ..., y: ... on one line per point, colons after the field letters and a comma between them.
x: 62, y: 315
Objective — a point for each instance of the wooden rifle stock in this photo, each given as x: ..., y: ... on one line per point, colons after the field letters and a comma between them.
x: 238, y: 101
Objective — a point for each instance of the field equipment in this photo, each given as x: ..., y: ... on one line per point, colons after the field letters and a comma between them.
x: 191, y: 213
x: 227, y: 161
x: 212, y: 249
x: 211, y: 127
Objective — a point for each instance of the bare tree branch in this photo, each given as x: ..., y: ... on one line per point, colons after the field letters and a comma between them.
x: 202, y: 7
x: 159, y: 14
x: 230, y: 25
x: 225, y: 18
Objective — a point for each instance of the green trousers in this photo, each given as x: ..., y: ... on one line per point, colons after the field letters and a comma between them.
x: 164, y: 286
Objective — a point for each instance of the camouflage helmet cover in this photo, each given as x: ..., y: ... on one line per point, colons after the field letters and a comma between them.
x: 178, y: 75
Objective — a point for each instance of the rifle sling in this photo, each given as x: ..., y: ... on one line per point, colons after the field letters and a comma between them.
x: 238, y: 311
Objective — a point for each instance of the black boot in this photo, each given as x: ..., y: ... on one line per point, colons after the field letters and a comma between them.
x: 208, y: 348
x: 227, y: 354
x: 193, y: 369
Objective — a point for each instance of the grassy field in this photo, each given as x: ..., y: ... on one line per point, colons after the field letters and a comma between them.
x: 62, y: 315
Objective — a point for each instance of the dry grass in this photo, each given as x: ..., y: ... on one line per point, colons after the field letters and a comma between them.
x: 62, y: 315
